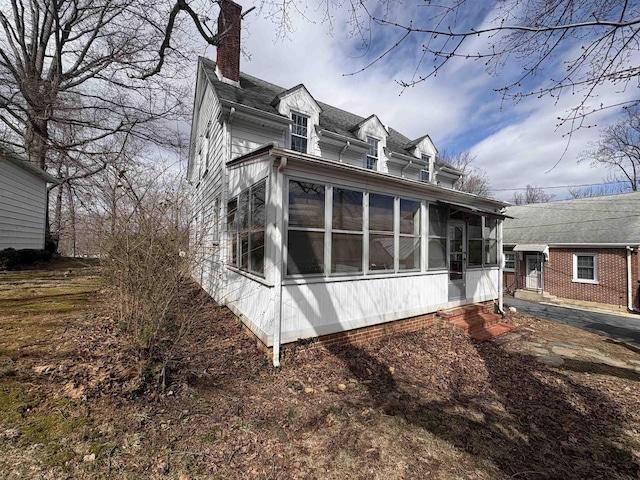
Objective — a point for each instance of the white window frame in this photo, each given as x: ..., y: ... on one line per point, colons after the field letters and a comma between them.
x: 595, y: 268
x: 424, y: 175
x: 297, y: 135
x: 374, y: 147
x: 509, y: 254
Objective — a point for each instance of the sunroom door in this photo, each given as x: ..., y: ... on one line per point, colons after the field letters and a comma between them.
x: 457, y: 260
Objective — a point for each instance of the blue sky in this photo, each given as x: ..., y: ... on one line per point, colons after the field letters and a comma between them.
x: 516, y: 144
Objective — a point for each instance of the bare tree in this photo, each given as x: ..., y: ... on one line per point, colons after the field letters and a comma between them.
x: 591, y: 42
x: 531, y: 195
x: 475, y: 179
x: 618, y: 149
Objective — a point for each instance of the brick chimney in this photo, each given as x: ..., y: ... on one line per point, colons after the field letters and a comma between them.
x: 228, y: 59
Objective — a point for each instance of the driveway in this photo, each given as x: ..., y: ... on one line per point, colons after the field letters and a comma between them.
x: 620, y: 327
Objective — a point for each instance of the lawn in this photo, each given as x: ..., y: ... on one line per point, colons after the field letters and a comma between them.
x: 431, y: 404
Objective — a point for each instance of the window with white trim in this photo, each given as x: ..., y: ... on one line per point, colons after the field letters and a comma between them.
x: 409, y: 241
x: 424, y: 175
x: 305, y: 236
x: 585, y: 267
x: 381, y: 232
x: 299, y: 132
x: 346, y: 231
x: 371, y: 161
x: 437, y: 237
x: 509, y: 261
x: 246, y: 228
x: 490, y: 241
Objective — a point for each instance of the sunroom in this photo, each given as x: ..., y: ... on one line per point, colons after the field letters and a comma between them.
x: 313, y: 247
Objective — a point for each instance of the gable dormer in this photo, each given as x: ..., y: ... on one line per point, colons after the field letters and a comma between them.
x: 301, y: 108
x: 372, y: 131
x: 424, y: 149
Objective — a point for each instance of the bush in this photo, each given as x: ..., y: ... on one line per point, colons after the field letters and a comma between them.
x: 10, y: 258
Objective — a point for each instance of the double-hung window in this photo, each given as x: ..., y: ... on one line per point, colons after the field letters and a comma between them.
x: 585, y: 267
x: 509, y: 261
x: 371, y: 161
x: 299, y: 132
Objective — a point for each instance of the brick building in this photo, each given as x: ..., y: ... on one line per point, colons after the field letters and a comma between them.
x: 582, y: 250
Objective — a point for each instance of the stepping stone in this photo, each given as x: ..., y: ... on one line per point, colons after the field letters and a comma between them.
x: 566, y: 345
x: 539, y: 351
x: 551, y: 360
x: 531, y: 344
x: 612, y: 362
x: 564, y: 351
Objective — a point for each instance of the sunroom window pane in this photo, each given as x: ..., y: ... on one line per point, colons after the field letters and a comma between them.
x: 437, y: 221
x: 305, y: 252
x: 380, y: 212
x: 409, y: 217
x: 347, y: 209
x: 491, y: 252
x: 258, y: 205
x: 244, y: 252
x: 380, y: 252
x: 437, y: 252
x: 346, y: 253
x: 475, y: 252
x: 306, y: 204
x: 409, y: 253
x: 257, y: 252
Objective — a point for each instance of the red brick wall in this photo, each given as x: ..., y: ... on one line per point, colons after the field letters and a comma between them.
x: 612, y: 276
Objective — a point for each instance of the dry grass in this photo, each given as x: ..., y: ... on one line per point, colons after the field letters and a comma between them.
x: 424, y: 405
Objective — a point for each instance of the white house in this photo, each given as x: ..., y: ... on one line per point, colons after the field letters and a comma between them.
x: 23, y: 202
x: 310, y: 220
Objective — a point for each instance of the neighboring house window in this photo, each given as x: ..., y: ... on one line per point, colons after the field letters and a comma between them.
x: 585, y: 267
x: 490, y: 241
x: 305, y: 236
x: 346, y: 236
x: 474, y: 241
x: 299, y: 132
x: 371, y: 161
x: 246, y: 228
x: 409, y: 241
x: 437, y: 237
x: 509, y: 261
x: 381, y: 236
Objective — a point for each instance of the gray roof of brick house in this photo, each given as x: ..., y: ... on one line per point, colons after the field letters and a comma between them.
x: 612, y: 219
x: 259, y: 94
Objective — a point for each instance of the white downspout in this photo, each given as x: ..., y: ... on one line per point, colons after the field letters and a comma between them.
x: 405, y: 167
x: 629, y: 280
x: 500, y: 270
x: 344, y: 149
x: 277, y: 328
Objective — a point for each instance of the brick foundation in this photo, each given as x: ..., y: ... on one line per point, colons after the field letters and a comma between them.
x: 359, y: 336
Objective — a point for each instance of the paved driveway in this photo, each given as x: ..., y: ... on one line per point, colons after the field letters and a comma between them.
x: 619, y: 327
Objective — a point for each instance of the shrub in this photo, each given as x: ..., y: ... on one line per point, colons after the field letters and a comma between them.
x: 10, y: 258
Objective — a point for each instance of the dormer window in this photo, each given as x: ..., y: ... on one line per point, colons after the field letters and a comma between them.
x: 424, y: 175
x: 371, y: 162
x: 427, y: 175
x: 299, y: 132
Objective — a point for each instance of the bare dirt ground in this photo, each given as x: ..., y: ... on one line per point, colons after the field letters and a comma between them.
x: 431, y: 404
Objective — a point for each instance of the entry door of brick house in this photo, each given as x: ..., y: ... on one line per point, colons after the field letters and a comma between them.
x: 534, y: 272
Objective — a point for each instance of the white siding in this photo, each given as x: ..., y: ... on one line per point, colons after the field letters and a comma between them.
x: 246, y: 137
x: 23, y: 202
x: 482, y: 284
x: 321, y: 308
